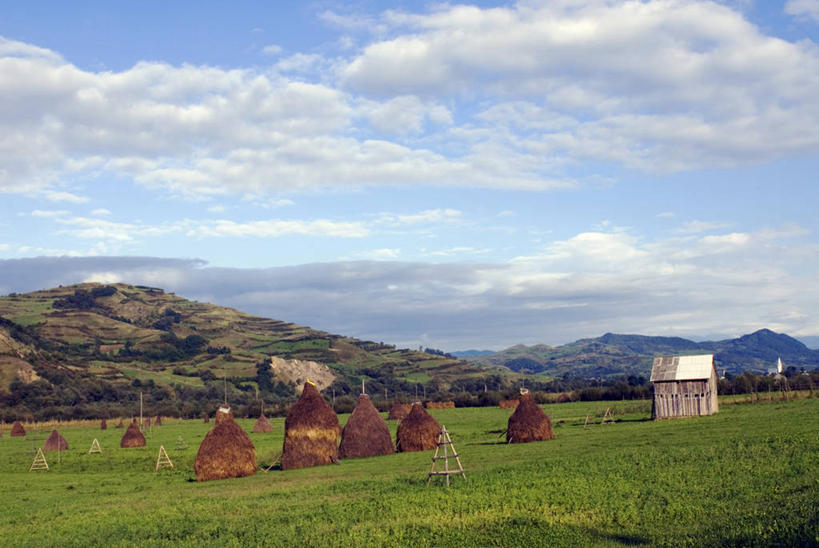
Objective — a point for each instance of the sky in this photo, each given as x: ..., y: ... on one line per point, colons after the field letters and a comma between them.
x: 448, y: 175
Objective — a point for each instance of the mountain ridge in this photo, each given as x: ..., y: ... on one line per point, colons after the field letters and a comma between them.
x: 612, y: 354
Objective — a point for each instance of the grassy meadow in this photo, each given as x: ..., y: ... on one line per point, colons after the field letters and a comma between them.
x: 746, y: 476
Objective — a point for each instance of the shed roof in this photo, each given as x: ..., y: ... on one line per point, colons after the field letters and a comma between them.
x: 682, y: 368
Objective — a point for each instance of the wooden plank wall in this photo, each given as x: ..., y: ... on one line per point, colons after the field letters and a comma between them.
x: 685, y: 398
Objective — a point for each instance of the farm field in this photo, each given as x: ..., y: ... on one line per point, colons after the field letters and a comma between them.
x: 746, y: 476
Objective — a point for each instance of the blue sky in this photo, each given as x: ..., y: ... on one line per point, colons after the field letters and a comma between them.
x: 456, y: 176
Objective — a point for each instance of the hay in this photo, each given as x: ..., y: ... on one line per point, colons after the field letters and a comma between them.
x: 310, y: 432
x: 226, y: 452
x: 55, y: 442
x: 132, y: 437
x: 528, y: 422
x: 262, y: 425
x: 440, y: 405
x: 17, y: 429
x: 120, y: 425
x: 207, y: 418
x: 509, y: 404
x: 223, y: 413
x: 103, y: 425
x: 158, y: 421
x: 418, y: 432
x: 399, y: 411
x: 366, y: 433
x: 148, y: 422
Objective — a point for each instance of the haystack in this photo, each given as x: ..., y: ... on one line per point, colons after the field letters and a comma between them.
x: 132, y: 437
x: 103, y: 425
x: 55, y: 442
x: 223, y: 413
x: 17, y: 429
x: 262, y: 425
x: 418, y: 432
x: 509, y: 404
x: 440, y: 405
x: 120, y: 425
x: 529, y: 422
x: 366, y: 433
x: 399, y: 411
x: 310, y: 432
x: 226, y: 451
x: 207, y: 418
x: 158, y: 421
x: 148, y: 422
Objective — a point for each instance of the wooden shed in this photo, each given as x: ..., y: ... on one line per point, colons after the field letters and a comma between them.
x: 684, y: 386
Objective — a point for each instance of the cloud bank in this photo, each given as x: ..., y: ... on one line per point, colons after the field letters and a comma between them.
x: 688, y: 285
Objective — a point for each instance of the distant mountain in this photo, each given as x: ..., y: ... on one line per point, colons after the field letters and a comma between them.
x: 123, y: 333
x: 614, y: 354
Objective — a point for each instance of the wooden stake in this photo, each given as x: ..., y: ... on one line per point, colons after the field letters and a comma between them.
x: 445, y: 441
x: 39, y: 462
x: 162, y: 459
x: 95, y: 447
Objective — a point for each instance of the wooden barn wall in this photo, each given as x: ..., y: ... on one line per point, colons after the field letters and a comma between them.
x: 685, y: 398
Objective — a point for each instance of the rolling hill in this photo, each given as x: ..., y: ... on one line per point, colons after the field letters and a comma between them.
x: 614, y: 354
x: 118, y: 333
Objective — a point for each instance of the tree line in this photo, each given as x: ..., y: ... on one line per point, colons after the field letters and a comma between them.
x: 65, y: 395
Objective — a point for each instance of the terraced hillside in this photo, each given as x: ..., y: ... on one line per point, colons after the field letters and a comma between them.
x: 119, y: 333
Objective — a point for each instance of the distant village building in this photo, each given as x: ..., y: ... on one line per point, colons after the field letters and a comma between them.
x: 684, y: 386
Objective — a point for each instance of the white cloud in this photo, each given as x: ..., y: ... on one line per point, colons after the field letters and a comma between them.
x: 657, y: 85
x: 276, y: 228
x: 532, y: 96
x: 803, y: 8
x: 4, y: 247
x: 695, y: 227
x: 57, y: 196
x: 101, y: 212
x: 430, y: 216
x: 44, y: 213
x: 404, y: 114
x: 386, y: 253
x: 272, y: 50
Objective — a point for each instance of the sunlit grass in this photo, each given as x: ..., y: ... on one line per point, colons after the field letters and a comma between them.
x: 746, y: 476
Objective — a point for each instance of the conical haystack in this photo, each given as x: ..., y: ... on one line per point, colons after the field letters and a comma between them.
x: 223, y: 413
x: 132, y: 437
x: 310, y: 432
x: 529, y: 422
x: 262, y: 425
x: 148, y: 422
x: 418, y: 432
x: 366, y: 433
x: 55, y: 442
x: 399, y: 411
x: 17, y: 429
x: 120, y: 425
x: 207, y: 418
x: 226, y: 452
x: 103, y: 425
x: 158, y: 421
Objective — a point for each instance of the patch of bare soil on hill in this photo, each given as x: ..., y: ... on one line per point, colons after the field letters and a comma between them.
x: 298, y: 371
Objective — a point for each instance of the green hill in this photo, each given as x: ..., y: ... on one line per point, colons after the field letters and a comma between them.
x: 125, y: 335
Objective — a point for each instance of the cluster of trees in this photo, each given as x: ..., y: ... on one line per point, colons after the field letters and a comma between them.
x: 85, y: 300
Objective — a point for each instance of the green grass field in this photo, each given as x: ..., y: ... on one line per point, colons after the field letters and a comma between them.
x: 747, y: 476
